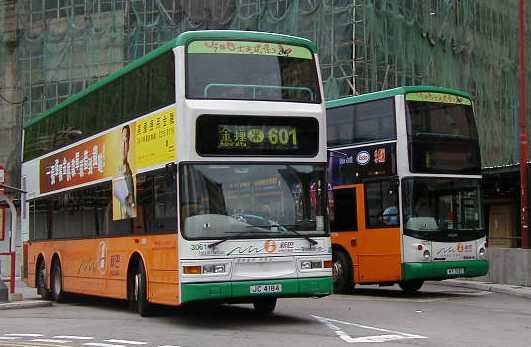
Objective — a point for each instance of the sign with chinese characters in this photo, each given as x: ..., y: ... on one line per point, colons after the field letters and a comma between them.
x: 351, y: 165
x: 438, y: 97
x: 116, y: 154
x: 74, y: 166
x: 245, y: 137
x: 155, y: 139
x: 250, y: 48
x: 257, y: 135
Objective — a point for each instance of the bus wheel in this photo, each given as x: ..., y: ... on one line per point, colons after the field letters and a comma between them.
x: 57, y: 282
x: 138, y: 293
x: 265, y: 305
x: 411, y: 286
x: 41, y: 281
x: 342, y: 272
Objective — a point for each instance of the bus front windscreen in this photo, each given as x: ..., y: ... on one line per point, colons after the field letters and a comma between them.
x: 236, y: 201
x: 245, y: 70
x: 442, y: 209
x: 442, y: 134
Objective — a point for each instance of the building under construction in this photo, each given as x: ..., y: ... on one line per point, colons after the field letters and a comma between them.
x: 51, y: 49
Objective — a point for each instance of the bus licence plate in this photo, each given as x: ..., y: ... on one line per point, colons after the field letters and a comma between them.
x: 266, y: 288
x: 453, y: 271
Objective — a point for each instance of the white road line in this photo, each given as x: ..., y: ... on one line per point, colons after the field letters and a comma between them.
x: 50, y: 340
x: 127, y: 342
x: 9, y: 337
x: 169, y: 346
x: 96, y: 344
x: 25, y: 335
x: 73, y: 337
x: 390, y: 336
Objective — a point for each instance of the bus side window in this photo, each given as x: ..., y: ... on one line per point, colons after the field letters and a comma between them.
x: 382, y: 204
x: 343, y: 216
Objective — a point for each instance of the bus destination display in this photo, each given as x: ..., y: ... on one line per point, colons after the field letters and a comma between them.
x: 253, y: 135
x: 263, y: 137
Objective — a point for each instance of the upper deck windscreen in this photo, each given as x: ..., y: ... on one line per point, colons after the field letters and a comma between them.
x: 442, y: 134
x: 248, y: 70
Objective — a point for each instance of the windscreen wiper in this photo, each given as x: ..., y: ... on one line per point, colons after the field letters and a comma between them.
x: 236, y: 234
x: 306, y: 237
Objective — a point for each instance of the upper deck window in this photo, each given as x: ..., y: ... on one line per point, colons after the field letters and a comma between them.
x: 243, y: 70
x: 363, y: 122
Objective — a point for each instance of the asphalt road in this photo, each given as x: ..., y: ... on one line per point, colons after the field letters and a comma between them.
x: 438, y: 316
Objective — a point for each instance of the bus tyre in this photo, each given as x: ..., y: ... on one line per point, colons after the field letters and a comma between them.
x: 411, y: 286
x: 265, y: 306
x: 342, y: 272
x: 139, y: 292
x: 41, y: 281
x: 57, y: 282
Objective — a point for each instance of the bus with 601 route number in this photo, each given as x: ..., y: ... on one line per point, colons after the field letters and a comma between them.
x: 196, y: 173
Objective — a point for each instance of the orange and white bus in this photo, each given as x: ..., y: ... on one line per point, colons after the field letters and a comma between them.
x: 195, y: 173
x: 404, y: 188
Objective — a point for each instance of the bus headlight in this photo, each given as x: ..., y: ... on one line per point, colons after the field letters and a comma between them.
x: 312, y: 264
x: 214, y: 268
x: 426, y: 254
x: 482, y: 251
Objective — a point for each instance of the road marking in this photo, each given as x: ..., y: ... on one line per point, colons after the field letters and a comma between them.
x: 127, y: 342
x: 169, y: 346
x: 9, y: 337
x: 96, y: 344
x: 73, y: 337
x: 390, y: 336
x: 50, y: 340
x: 25, y: 335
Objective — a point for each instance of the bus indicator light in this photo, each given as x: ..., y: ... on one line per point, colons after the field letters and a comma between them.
x: 192, y: 270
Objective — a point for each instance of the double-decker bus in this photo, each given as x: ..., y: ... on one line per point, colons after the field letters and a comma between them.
x: 195, y: 173
x: 404, y: 188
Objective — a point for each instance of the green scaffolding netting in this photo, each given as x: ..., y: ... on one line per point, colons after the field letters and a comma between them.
x: 64, y: 45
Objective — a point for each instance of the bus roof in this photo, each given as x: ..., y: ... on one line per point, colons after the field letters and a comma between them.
x: 393, y: 92
x: 180, y: 40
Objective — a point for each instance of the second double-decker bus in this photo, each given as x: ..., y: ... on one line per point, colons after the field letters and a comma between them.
x: 404, y: 188
x: 196, y: 173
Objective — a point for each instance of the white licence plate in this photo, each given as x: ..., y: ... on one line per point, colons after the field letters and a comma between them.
x: 455, y: 271
x: 266, y: 288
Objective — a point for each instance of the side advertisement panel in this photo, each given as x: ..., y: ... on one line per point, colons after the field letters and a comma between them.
x: 118, y: 155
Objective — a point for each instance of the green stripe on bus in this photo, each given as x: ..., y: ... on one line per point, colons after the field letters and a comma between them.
x: 302, y: 287
x: 439, y: 270
x: 393, y: 92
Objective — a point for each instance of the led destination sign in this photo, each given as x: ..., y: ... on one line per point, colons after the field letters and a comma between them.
x: 251, y: 135
x: 264, y: 137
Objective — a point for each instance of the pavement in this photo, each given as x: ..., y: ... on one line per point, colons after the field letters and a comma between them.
x: 509, y: 289
x: 26, y: 297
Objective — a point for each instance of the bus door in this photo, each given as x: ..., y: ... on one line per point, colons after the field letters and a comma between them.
x: 378, y: 243
x: 344, y: 221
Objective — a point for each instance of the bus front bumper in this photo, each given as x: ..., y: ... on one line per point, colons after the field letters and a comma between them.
x: 246, y: 290
x: 444, y: 270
